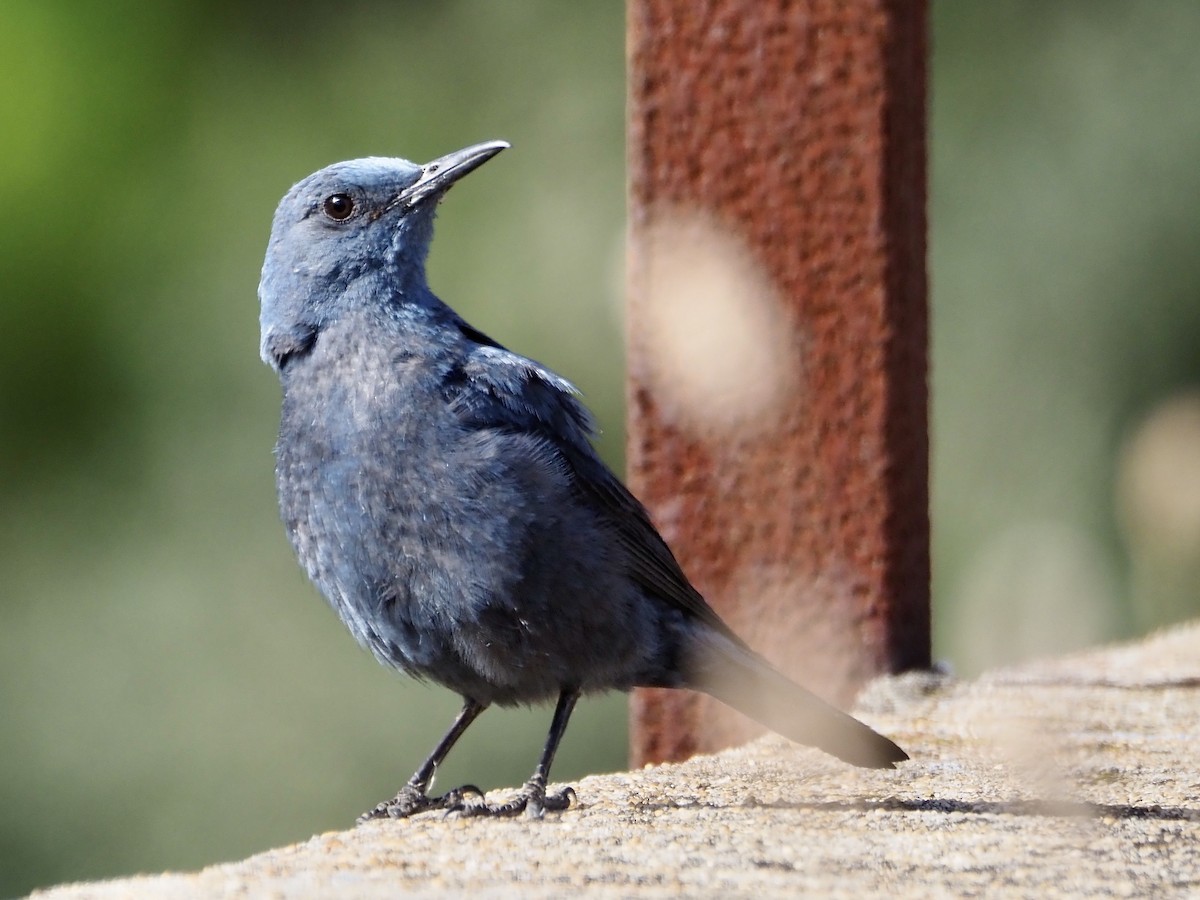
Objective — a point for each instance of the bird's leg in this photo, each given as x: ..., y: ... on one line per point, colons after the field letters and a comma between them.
x: 413, y: 798
x: 533, y: 799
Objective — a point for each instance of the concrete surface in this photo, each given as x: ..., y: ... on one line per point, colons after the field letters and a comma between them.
x: 1072, y: 777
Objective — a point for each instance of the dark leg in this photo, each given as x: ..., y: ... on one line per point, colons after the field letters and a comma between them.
x: 412, y: 798
x: 533, y: 799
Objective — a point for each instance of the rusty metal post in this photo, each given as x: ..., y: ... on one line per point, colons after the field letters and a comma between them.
x: 778, y: 421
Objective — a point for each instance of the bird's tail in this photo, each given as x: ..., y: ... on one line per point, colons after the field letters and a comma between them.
x: 744, y: 680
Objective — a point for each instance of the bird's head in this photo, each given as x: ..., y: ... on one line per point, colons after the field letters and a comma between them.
x: 341, y: 223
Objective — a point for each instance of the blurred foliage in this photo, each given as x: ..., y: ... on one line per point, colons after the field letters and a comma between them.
x: 1065, y: 299
x: 172, y: 691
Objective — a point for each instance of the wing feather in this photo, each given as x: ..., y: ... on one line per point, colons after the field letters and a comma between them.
x: 501, y: 389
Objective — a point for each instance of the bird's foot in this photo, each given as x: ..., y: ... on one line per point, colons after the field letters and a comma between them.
x: 532, y: 800
x: 412, y: 799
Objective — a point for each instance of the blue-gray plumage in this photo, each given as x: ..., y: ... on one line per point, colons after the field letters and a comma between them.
x: 444, y: 495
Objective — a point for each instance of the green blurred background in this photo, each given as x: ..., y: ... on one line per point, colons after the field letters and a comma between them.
x: 173, y: 692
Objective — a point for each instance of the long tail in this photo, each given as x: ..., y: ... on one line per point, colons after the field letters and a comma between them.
x: 747, y: 682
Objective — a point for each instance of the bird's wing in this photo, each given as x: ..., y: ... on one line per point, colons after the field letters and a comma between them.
x: 501, y: 389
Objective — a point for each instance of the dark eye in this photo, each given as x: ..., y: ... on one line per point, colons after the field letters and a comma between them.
x: 338, y: 206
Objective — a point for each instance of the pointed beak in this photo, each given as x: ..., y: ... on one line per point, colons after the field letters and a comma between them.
x: 437, y: 176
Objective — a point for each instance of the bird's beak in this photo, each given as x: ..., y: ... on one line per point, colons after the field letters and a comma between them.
x: 437, y: 176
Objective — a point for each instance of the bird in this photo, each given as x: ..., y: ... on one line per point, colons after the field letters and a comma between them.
x: 444, y: 494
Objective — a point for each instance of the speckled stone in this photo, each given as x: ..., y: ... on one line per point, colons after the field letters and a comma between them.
x: 1071, y: 777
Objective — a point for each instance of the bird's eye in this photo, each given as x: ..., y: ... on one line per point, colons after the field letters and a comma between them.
x: 338, y: 206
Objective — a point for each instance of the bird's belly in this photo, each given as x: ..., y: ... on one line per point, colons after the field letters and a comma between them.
x: 417, y: 581
x: 492, y: 583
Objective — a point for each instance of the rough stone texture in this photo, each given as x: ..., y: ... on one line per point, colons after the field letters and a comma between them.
x: 1072, y: 777
x: 782, y: 145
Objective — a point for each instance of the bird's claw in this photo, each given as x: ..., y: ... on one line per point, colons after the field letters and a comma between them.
x: 455, y: 802
x: 531, y: 800
x: 412, y: 799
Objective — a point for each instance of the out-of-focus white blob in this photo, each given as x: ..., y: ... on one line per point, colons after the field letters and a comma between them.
x: 818, y: 644
x: 1036, y: 589
x: 719, y: 349
x: 1158, y: 505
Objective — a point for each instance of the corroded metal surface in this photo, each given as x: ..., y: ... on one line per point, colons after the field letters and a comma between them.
x: 778, y: 333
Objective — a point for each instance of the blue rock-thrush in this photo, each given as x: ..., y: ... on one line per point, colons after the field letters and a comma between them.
x: 444, y: 495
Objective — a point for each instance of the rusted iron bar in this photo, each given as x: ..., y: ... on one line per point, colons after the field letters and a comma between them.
x: 778, y: 411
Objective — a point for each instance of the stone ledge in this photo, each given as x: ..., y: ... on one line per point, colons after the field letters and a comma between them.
x: 1074, y: 776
